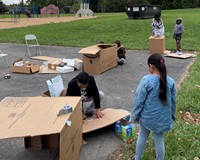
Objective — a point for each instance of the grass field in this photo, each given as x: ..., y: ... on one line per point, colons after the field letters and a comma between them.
x: 133, y: 34
x: 183, y: 142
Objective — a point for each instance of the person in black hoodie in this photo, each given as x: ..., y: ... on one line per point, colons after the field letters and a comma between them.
x: 84, y: 85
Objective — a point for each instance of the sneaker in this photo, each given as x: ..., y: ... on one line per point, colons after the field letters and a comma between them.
x: 179, y: 52
x: 121, y: 61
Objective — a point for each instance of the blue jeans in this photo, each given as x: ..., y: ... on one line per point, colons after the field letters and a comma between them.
x: 141, y: 143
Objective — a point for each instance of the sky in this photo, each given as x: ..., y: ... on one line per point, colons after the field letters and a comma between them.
x: 8, y: 2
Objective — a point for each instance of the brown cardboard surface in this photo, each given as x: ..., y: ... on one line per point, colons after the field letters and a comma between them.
x: 46, y: 58
x: 99, y: 58
x: 111, y: 115
x: 157, y: 45
x: 70, y: 136
x: 21, y: 118
x: 45, y: 69
x: 35, y: 118
x: 53, y: 64
x: 181, y: 56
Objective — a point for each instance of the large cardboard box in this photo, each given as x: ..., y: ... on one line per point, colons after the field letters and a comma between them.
x: 99, y: 58
x: 35, y: 118
x: 157, y: 45
x: 27, y: 67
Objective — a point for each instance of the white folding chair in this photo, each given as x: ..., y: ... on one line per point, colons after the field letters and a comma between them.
x: 4, y: 57
x: 31, y: 42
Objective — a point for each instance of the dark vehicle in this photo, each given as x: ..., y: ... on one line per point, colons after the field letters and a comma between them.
x: 142, y: 11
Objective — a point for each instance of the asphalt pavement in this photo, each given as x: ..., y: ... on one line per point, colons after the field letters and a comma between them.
x: 118, y: 84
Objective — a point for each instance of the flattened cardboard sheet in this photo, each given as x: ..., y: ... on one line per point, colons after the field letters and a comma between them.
x: 181, y: 56
x: 46, y: 58
x: 111, y: 116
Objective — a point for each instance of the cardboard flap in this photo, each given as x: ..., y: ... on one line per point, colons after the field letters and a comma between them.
x: 103, y: 46
x: 92, y: 50
x: 35, y: 68
x: 46, y: 58
x: 111, y: 116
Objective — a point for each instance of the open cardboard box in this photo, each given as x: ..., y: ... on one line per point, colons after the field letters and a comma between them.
x: 35, y: 119
x: 62, y: 94
x: 99, y: 58
x: 27, y: 68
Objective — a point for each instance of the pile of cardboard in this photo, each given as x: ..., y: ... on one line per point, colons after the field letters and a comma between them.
x: 20, y: 66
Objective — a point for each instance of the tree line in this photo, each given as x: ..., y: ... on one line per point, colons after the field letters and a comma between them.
x: 110, y: 5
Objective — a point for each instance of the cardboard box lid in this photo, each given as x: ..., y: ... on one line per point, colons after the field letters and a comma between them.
x: 33, y: 116
x: 111, y: 116
x: 92, y: 50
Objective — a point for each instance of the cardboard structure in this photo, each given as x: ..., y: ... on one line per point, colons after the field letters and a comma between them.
x: 24, y: 67
x: 35, y: 118
x: 157, y: 45
x: 111, y: 115
x: 99, y: 58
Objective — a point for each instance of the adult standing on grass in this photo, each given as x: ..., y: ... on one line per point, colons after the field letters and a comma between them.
x: 154, y: 106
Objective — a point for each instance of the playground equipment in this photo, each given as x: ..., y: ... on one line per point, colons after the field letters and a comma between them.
x: 84, y: 9
x: 49, y: 10
x: 14, y: 18
x: 16, y: 12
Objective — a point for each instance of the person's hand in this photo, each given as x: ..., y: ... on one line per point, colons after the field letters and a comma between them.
x: 99, y: 114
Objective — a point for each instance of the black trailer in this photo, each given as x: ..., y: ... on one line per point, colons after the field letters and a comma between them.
x: 142, y: 11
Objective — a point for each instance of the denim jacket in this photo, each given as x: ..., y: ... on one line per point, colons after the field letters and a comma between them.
x: 149, y: 110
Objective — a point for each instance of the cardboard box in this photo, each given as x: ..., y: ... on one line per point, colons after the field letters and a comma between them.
x: 27, y: 67
x: 99, y: 58
x: 157, y: 45
x: 125, y: 130
x: 42, y: 128
x: 53, y: 64
x: 62, y: 94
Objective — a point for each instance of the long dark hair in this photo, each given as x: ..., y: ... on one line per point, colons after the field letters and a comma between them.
x: 158, y: 61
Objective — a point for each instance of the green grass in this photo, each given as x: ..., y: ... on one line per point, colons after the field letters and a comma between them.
x: 183, y: 142
x: 133, y: 34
